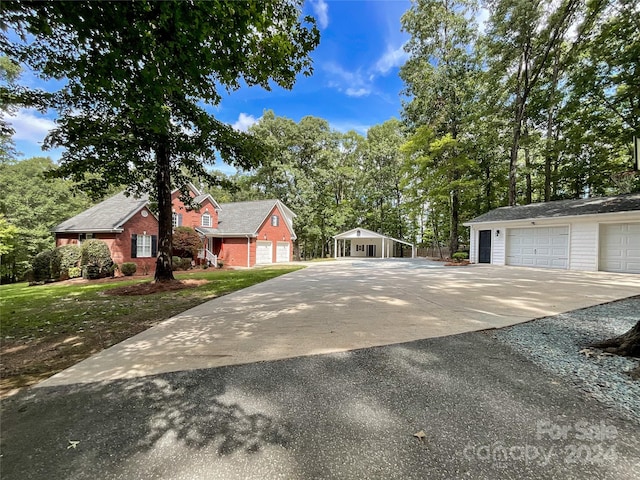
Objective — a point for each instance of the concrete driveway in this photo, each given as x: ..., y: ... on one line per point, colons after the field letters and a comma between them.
x: 346, y: 305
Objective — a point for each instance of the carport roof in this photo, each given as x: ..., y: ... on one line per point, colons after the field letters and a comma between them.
x: 562, y: 208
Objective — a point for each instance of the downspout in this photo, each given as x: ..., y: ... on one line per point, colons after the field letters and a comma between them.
x: 248, y: 251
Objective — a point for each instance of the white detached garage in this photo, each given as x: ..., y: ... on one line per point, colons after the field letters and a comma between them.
x: 586, y: 234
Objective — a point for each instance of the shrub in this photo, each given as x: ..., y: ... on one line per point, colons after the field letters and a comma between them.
x: 64, y: 258
x: 185, y: 263
x: 460, y: 256
x: 96, y: 259
x: 75, y: 272
x: 186, y: 242
x: 42, y: 266
x: 220, y: 263
x: 128, y: 269
x: 175, y: 263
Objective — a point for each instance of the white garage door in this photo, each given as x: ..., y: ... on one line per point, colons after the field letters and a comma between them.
x: 264, y: 253
x: 546, y: 247
x: 620, y: 247
x: 282, y: 252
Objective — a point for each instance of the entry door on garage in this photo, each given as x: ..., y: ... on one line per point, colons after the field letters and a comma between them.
x: 264, y: 253
x: 282, y: 252
x: 620, y: 247
x: 546, y: 247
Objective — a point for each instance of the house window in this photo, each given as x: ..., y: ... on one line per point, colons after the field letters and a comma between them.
x: 206, y: 220
x: 144, y: 246
x: 274, y: 220
x: 176, y: 220
x: 84, y: 236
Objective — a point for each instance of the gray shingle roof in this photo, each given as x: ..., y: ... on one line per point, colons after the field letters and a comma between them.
x: 563, y: 208
x: 242, y: 218
x: 106, y: 216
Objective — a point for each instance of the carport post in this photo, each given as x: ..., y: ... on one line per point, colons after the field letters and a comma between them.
x: 335, y: 248
x: 382, y: 247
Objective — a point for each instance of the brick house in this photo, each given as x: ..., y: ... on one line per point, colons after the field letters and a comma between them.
x: 241, y: 234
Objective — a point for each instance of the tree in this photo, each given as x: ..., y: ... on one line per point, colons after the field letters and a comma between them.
x: 440, y: 77
x: 523, y: 38
x: 139, y: 75
x: 9, y: 73
x: 33, y: 205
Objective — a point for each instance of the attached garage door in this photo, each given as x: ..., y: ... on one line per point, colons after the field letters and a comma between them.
x: 620, y: 247
x: 546, y: 247
x: 282, y: 252
x: 264, y: 253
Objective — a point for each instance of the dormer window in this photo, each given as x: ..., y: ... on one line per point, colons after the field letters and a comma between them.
x: 206, y: 220
x: 275, y: 221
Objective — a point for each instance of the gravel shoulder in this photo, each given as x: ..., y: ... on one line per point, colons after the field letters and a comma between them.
x: 557, y: 344
x: 488, y: 406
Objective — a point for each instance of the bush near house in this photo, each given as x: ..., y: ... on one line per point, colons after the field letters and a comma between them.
x: 128, y: 268
x: 460, y: 256
x: 65, y: 261
x: 96, y: 259
x: 42, y: 266
x: 186, y: 242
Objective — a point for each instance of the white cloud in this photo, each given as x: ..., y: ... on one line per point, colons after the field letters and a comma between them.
x: 357, y: 92
x: 352, y: 83
x: 30, y: 126
x: 321, y: 9
x: 244, y: 122
x: 391, y: 58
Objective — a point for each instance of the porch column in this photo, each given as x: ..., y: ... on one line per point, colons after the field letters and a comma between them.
x: 382, y: 247
x: 335, y: 248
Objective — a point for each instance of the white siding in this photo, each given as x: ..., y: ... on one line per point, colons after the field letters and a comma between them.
x: 583, y: 246
x: 498, y: 255
x: 473, y: 241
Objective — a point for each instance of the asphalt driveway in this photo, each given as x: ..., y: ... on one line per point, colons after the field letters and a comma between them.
x: 345, y: 305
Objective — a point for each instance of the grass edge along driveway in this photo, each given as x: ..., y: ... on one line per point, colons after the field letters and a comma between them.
x: 47, y: 328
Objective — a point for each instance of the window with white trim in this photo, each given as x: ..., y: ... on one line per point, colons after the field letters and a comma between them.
x: 275, y: 220
x: 206, y: 220
x: 144, y: 246
x: 176, y: 219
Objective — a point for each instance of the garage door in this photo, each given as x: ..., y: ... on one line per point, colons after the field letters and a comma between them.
x: 264, y: 253
x: 282, y: 252
x: 620, y: 247
x: 546, y: 247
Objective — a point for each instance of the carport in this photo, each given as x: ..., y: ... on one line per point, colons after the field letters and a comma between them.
x: 360, y: 242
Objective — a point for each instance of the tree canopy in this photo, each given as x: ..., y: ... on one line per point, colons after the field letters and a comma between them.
x: 139, y: 76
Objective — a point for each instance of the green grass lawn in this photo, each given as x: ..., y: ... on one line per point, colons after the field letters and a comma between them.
x: 53, y: 309
x: 47, y: 328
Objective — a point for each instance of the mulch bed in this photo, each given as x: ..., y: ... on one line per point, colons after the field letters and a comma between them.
x: 154, y: 287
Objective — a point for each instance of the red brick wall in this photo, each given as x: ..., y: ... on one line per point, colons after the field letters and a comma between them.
x: 122, y: 244
x: 274, y: 234
x: 234, y: 252
x: 193, y: 218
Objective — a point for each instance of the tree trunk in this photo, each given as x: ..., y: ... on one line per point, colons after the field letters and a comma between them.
x: 527, y: 166
x: 627, y: 344
x: 164, y: 273
x: 549, y: 150
x: 455, y: 217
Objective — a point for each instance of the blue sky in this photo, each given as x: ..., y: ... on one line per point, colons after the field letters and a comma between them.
x: 355, y: 83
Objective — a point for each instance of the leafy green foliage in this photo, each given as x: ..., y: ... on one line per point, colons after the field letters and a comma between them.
x: 139, y: 76
x: 128, y: 268
x: 96, y: 259
x: 33, y: 205
x: 63, y: 259
x: 459, y: 256
x: 42, y: 266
